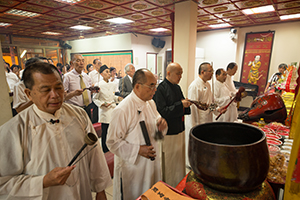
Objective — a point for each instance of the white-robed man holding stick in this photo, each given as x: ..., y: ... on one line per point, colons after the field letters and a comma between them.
x: 135, y: 169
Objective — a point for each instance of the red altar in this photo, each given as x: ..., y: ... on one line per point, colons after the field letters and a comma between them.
x: 191, y: 185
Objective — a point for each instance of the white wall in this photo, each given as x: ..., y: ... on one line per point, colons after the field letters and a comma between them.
x: 218, y: 47
x: 139, y: 44
x: 120, y: 42
x: 286, y: 45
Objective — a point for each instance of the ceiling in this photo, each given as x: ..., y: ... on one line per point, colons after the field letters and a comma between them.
x: 146, y: 14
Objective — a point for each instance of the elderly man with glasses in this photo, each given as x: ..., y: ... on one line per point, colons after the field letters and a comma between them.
x: 136, y: 170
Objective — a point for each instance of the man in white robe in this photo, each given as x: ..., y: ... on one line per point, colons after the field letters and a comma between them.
x: 37, y: 145
x: 200, y: 90
x: 134, y: 172
x: 222, y: 97
x: 231, y: 70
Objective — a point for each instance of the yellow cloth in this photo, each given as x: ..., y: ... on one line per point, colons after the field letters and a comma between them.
x: 85, y: 95
x: 292, y: 184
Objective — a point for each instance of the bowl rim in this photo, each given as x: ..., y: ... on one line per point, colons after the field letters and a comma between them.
x: 228, y: 145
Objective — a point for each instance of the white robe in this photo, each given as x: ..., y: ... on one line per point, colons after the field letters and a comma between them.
x: 222, y: 98
x: 12, y: 79
x: 124, y: 138
x: 116, y: 81
x: 106, y: 94
x: 20, y: 96
x: 95, y: 76
x: 31, y: 147
x: 230, y: 85
x: 197, y: 91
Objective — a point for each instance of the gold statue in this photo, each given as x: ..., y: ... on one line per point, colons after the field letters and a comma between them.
x: 253, y: 75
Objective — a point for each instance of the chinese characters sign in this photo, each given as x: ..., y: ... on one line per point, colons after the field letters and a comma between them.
x: 160, y: 191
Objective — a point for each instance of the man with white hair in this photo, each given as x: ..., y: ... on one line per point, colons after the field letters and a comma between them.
x: 125, y: 84
x: 37, y: 144
x: 75, y: 83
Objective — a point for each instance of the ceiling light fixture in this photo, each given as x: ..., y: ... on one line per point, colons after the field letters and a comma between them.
x: 21, y: 13
x: 294, y: 16
x: 51, y: 33
x: 4, y: 24
x: 119, y: 20
x: 159, y: 29
x: 219, y: 25
x: 81, y: 27
x: 68, y: 1
x: 258, y: 10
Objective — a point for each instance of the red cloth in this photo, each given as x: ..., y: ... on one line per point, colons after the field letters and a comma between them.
x: 182, y: 184
x: 97, y: 127
x: 110, y: 162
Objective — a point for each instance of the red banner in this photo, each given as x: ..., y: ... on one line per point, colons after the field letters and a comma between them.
x: 256, y: 59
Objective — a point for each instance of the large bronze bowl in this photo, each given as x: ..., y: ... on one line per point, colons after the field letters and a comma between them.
x: 229, y: 157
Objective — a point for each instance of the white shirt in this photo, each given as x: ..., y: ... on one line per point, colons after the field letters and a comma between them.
x: 230, y: 85
x: 199, y: 91
x: 20, y: 96
x: 124, y: 139
x: 116, y: 81
x: 95, y: 76
x: 72, y: 83
x: 130, y: 78
x: 275, y: 79
x: 12, y: 79
x: 41, y: 147
x: 222, y: 98
x: 21, y: 73
x: 106, y: 94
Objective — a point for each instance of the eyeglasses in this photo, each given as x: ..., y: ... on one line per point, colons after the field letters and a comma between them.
x: 151, y: 87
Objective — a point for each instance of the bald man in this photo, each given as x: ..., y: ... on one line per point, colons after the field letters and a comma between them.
x: 134, y: 172
x: 172, y: 106
x: 222, y: 96
x: 200, y: 90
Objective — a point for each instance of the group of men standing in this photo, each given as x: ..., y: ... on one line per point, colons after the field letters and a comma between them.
x: 51, y: 131
x: 134, y: 163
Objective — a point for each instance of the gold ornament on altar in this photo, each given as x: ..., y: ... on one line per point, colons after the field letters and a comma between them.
x: 196, y: 189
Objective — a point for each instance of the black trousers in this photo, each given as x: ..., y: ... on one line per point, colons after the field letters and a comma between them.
x: 14, y: 112
x: 104, y: 128
x: 92, y: 111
